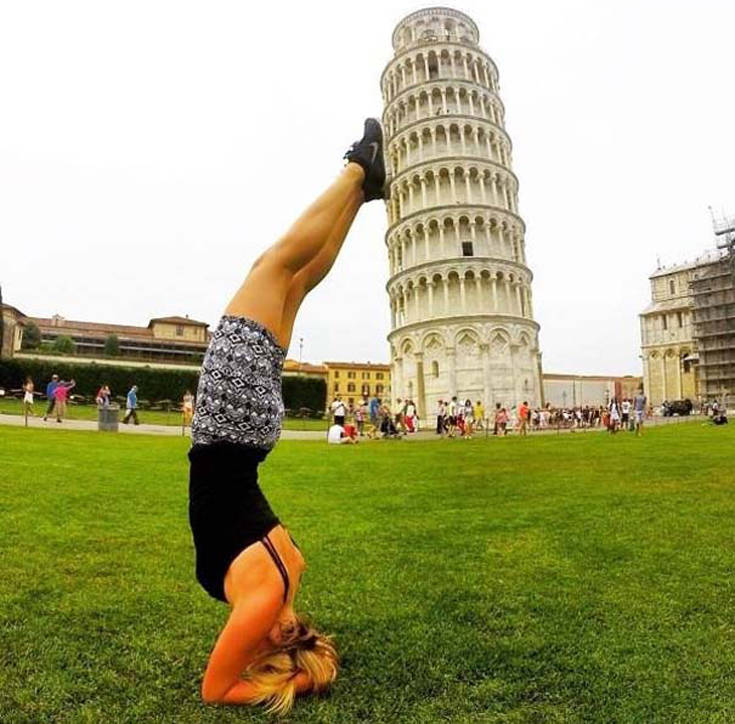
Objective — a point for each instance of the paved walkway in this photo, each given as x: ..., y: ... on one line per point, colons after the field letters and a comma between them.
x: 142, y: 429
x: 175, y: 431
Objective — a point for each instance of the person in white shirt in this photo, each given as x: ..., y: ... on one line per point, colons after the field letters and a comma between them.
x: 441, y: 413
x: 614, y: 409
x: 452, y: 416
x: 339, y: 410
x: 625, y: 414
x: 639, y: 405
x: 337, y: 436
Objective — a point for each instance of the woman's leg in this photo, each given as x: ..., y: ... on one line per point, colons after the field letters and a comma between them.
x: 278, y: 281
x: 308, y: 277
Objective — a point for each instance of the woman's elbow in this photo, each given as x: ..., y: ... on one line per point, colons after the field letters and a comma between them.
x: 210, y: 695
x: 213, y: 693
x: 241, y: 692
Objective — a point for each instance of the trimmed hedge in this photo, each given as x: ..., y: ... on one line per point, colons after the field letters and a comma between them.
x: 153, y: 384
x: 301, y: 392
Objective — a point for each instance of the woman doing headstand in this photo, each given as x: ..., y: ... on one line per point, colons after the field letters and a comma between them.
x: 244, y: 556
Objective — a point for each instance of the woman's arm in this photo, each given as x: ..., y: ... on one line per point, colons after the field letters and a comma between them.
x: 244, y: 693
x: 239, y: 643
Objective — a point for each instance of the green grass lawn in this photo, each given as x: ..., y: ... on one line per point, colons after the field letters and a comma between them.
x: 12, y: 406
x: 578, y: 578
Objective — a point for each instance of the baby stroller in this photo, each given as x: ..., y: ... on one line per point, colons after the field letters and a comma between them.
x: 388, y: 427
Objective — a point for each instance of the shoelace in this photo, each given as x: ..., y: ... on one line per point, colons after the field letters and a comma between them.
x: 351, y: 149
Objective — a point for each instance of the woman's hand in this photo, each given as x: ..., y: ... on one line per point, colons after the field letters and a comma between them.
x: 303, y: 682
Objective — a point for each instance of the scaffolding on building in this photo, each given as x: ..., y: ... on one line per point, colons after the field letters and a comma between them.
x: 713, y: 292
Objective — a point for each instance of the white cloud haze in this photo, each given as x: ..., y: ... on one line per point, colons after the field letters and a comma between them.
x: 149, y: 151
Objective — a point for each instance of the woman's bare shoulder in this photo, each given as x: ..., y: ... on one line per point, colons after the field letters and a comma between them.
x: 251, y: 570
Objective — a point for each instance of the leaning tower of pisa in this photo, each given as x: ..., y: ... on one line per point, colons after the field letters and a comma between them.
x: 460, y: 290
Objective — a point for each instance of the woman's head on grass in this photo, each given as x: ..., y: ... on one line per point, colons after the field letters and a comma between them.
x: 301, y: 660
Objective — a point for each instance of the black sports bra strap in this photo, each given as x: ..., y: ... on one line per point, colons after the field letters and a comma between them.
x: 268, y: 545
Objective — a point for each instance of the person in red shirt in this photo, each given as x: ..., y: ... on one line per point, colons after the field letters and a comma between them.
x: 61, y: 395
x: 351, y: 432
x: 524, y: 412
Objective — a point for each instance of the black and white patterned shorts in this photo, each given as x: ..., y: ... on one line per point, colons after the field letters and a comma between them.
x: 239, y: 396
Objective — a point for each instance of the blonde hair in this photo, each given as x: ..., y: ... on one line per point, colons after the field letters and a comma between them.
x: 302, y: 650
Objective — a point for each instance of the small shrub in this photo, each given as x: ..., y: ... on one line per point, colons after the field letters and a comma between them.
x: 112, y: 346
x: 64, y: 344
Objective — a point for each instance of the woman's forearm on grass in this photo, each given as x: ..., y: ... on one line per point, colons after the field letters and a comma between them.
x: 243, y: 692
x: 240, y: 693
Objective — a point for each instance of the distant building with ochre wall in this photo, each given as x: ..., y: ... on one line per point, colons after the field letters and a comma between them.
x: 355, y: 380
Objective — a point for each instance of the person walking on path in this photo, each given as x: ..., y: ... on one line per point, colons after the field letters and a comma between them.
x: 245, y: 557
x: 28, y: 397
x: 131, y: 406
x: 625, y: 414
x: 187, y: 408
x: 452, y: 416
x: 523, y: 414
x: 614, y: 415
x: 639, y: 410
x: 50, y: 390
x: 469, y: 419
x: 441, y: 413
x: 360, y: 414
x: 375, y: 411
x: 61, y: 395
x: 479, y: 415
x: 496, y: 428
x: 410, y: 417
x: 339, y: 410
x: 501, y: 421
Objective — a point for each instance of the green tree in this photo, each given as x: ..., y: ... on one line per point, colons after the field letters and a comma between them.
x: 31, y: 336
x: 112, y: 346
x: 64, y: 344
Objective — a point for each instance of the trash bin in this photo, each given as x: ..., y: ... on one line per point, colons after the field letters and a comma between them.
x: 107, y: 418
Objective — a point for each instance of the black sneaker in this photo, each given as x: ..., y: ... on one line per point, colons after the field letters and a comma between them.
x: 368, y: 152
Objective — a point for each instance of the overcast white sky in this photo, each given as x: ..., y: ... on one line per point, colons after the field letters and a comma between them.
x: 150, y: 150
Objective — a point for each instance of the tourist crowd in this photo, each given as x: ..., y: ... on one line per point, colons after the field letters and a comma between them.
x: 455, y: 418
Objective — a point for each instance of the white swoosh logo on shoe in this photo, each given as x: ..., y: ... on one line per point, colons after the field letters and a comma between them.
x: 375, y: 147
